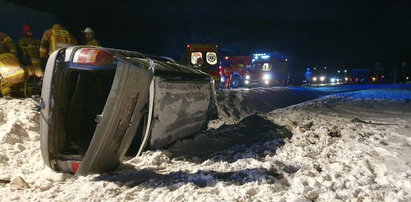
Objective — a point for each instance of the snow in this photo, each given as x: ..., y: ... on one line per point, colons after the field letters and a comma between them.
x: 347, y: 146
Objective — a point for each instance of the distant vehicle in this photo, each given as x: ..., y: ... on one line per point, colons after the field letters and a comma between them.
x: 329, y: 76
x: 234, y: 68
x: 100, y: 104
x: 267, y: 70
x: 204, y: 57
x: 363, y: 76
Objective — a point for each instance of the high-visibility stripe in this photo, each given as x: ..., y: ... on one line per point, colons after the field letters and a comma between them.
x: 53, y: 44
x: 13, y: 74
x: 6, y: 55
x: 60, y: 33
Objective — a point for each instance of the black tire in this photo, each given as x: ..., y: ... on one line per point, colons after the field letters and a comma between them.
x: 235, y: 82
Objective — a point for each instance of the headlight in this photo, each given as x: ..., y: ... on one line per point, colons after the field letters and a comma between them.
x: 222, y: 79
x: 246, y: 82
x: 266, y: 82
x: 314, y: 78
x: 247, y: 77
x: 332, y: 80
x: 266, y: 76
x: 346, y: 79
x: 322, y: 78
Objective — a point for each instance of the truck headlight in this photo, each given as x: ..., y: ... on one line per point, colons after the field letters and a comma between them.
x: 266, y: 76
x: 322, y: 78
x: 314, y: 78
x: 247, y: 77
x: 332, y: 80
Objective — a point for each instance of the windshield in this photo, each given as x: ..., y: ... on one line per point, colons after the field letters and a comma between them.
x: 260, y: 66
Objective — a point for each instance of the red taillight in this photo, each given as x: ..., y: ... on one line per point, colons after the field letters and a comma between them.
x: 92, y: 56
x: 75, y: 165
x: 220, y: 70
x: 188, y: 45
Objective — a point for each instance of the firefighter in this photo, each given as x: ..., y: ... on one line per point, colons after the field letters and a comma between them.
x: 89, y: 38
x: 10, y: 71
x: 7, y: 45
x: 28, y: 51
x: 53, y: 39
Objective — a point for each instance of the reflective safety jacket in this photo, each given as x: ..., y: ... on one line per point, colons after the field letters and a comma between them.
x: 55, y: 38
x: 92, y: 42
x: 6, y: 44
x: 28, y: 50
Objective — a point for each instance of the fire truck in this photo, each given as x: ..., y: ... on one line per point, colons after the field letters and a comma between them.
x: 267, y: 70
x: 234, y: 68
x: 204, y: 57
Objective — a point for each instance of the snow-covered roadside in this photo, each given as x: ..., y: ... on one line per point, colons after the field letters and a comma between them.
x: 350, y: 146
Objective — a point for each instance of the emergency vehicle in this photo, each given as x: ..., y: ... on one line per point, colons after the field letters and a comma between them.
x: 234, y: 68
x: 204, y: 57
x: 267, y: 70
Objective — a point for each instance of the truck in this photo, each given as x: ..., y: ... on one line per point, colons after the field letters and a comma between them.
x: 204, y: 57
x: 267, y: 70
x: 234, y: 68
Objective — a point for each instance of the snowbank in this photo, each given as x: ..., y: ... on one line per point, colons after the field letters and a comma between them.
x: 344, y: 147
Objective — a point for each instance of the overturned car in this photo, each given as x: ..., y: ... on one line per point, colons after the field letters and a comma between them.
x: 99, y: 105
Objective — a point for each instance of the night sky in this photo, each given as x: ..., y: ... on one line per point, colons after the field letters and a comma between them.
x: 340, y: 34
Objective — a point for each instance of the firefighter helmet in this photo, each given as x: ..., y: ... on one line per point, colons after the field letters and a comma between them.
x: 88, y: 30
x: 26, y: 29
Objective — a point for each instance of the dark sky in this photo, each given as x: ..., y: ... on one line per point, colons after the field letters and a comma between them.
x: 317, y: 32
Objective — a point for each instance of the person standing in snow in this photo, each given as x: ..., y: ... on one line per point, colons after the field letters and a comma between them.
x: 308, y: 75
x: 53, y: 39
x: 28, y: 52
x: 7, y: 45
x: 89, y: 38
x: 28, y: 47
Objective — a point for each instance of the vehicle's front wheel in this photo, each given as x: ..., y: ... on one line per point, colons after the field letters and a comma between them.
x: 235, y: 82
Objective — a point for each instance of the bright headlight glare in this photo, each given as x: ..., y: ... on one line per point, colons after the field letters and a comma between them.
x: 322, y: 78
x: 266, y: 76
x: 332, y: 80
x: 247, y: 77
x: 314, y: 78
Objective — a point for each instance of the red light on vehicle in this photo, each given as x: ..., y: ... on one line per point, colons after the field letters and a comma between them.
x: 75, y: 165
x: 216, y: 46
x: 92, y: 56
x: 188, y: 45
x: 382, y: 76
x: 226, y: 57
x: 220, y: 68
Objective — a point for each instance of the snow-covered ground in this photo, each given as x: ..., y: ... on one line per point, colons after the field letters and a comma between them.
x: 349, y: 146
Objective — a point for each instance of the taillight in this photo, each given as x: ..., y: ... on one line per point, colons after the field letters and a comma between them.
x: 92, y: 56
